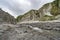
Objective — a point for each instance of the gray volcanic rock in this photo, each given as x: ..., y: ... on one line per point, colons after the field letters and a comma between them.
x: 45, y: 25
x: 26, y: 32
x: 6, y: 18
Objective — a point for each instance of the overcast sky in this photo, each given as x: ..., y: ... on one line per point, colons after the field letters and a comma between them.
x: 18, y: 7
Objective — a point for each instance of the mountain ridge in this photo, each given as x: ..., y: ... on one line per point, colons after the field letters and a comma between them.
x: 48, y: 12
x: 6, y: 17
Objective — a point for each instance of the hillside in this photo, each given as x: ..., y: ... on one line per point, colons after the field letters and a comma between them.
x: 6, y: 17
x: 49, y: 11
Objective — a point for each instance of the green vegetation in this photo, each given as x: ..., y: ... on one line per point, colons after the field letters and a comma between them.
x: 56, y: 2
x: 19, y: 18
x: 47, y: 18
x: 54, y: 10
x: 55, y: 7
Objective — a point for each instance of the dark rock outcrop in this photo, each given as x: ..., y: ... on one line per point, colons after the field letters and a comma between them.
x: 6, y: 18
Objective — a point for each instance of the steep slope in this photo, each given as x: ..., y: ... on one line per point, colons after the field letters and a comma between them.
x: 48, y: 12
x: 6, y: 18
x: 29, y: 16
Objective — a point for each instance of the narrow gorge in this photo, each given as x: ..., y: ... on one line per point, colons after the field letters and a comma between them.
x: 41, y: 24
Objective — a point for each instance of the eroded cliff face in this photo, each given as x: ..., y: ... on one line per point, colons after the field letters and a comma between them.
x: 36, y: 15
x: 47, y: 12
x: 6, y: 18
x: 29, y: 16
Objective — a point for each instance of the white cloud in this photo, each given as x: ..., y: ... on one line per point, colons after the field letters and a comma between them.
x: 17, y: 7
x: 24, y: 2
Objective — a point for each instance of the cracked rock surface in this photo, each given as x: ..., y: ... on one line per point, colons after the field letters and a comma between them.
x: 30, y: 32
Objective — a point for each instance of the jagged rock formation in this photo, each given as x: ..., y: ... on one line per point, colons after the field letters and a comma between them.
x: 31, y: 15
x: 35, y: 14
x: 49, y: 9
x: 6, y: 18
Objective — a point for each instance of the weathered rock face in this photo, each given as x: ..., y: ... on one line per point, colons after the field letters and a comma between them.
x: 48, y: 25
x: 50, y: 9
x: 29, y: 16
x: 34, y: 15
x: 6, y: 18
x: 26, y: 32
x: 45, y: 9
